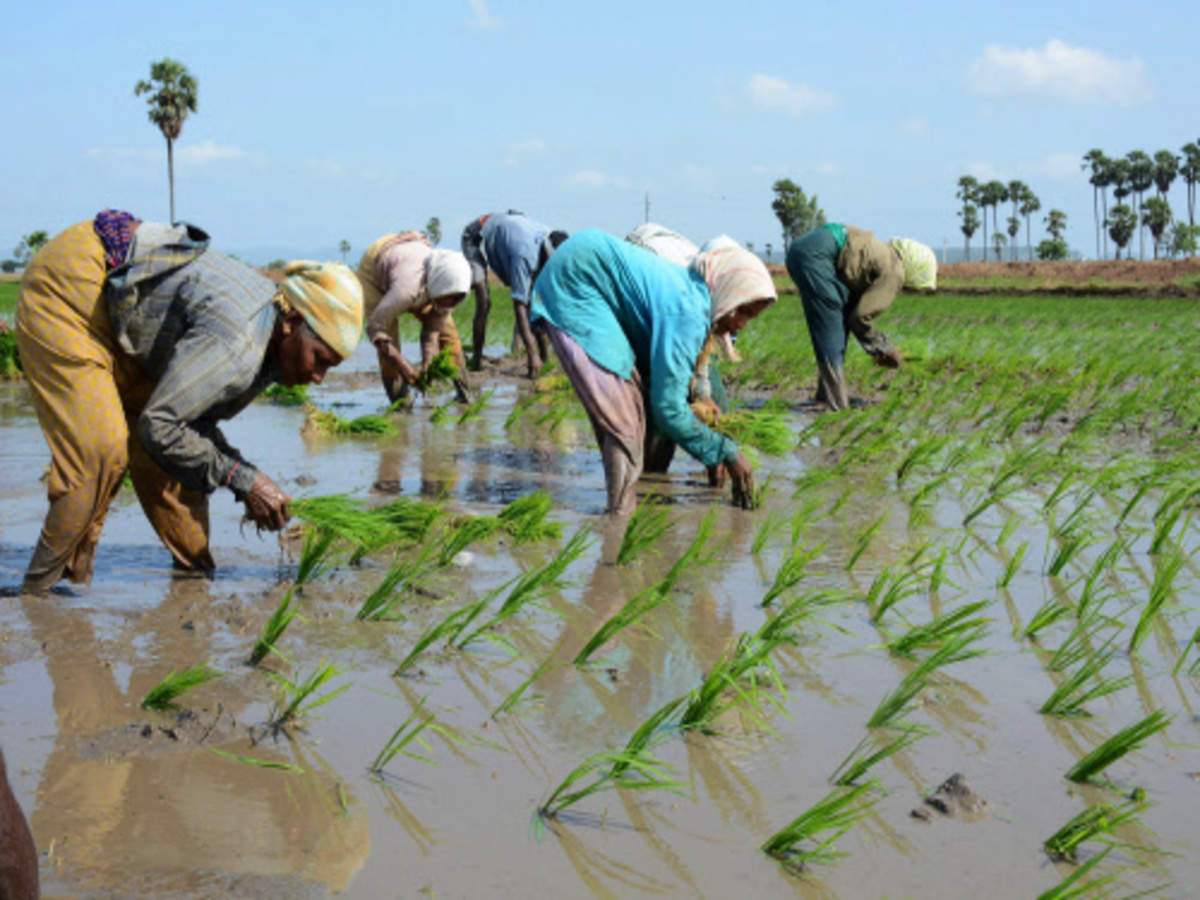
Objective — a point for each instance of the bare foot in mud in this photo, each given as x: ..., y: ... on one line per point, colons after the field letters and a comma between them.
x: 954, y: 799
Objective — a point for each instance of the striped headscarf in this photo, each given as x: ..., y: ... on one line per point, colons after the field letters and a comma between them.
x: 115, y: 229
x: 920, y: 264
x: 734, y: 276
x: 446, y: 272
x: 329, y: 297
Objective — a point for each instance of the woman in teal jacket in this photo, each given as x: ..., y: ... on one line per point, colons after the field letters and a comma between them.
x: 630, y: 330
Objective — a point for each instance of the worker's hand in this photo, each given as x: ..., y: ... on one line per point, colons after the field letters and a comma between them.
x: 717, y: 475
x: 266, y: 504
x: 706, y: 410
x: 889, y: 359
x: 742, y: 478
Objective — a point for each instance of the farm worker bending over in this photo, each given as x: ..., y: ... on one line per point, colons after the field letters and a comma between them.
x: 516, y: 248
x: 629, y: 329
x: 846, y: 278
x: 137, y: 339
x: 402, y: 273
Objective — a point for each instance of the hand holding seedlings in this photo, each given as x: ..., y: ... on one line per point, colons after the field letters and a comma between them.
x: 889, y: 358
x: 267, y: 504
x: 717, y: 475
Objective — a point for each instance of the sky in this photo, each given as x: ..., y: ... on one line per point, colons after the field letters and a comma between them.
x: 331, y: 121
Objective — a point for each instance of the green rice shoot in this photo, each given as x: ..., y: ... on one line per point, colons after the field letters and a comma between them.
x: 164, y: 694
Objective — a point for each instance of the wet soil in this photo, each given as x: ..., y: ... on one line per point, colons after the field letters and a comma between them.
x: 124, y: 802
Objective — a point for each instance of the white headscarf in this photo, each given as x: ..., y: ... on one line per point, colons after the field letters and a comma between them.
x: 446, y: 272
x: 664, y: 242
x: 920, y: 264
x: 734, y: 276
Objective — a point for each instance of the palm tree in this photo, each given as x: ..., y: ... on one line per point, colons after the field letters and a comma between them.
x: 968, y: 193
x: 970, y: 224
x: 1141, y: 179
x: 992, y: 194
x: 998, y: 241
x: 1098, y: 163
x: 1190, y: 172
x: 1166, y: 168
x: 1029, y: 205
x: 1156, y: 215
x: 172, y: 91
x: 1120, y: 222
x: 344, y: 248
x: 1056, y: 223
x: 1014, y: 228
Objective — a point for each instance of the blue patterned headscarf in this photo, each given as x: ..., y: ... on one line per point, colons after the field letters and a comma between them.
x: 115, y: 229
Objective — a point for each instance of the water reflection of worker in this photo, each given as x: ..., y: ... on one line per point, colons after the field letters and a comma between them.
x: 164, y: 811
x: 846, y: 278
x: 629, y: 330
x: 401, y: 273
x: 136, y: 340
x: 515, y: 247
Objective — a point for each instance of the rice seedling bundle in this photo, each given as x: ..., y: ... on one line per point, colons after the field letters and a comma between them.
x: 463, y: 535
x: 862, y: 541
x: 380, y: 604
x: 367, y: 530
x: 525, y: 518
x: 514, y: 696
x: 951, y: 625
x: 474, y: 409
x: 888, y: 589
x: 318, y: 421
x: 441, y: 368
x: 739, y: 678
x: 447, y: 628
x: 899, y: 701
x: 296, y: 395
x: 765, y: 429
x: 1048, y: 613
x: 409, y: 731
x: 635, y: 607
x: 791, y: 572
x: 1118, y: 745
x: 1161, y: 588
x: 823, y: 823
x: 164, y: 694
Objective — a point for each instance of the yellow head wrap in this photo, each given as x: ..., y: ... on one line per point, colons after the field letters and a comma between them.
x: 734, y: 276
x: 329, y: 297
x: 920, y: 264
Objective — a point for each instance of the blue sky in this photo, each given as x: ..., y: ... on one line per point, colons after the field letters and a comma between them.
x: 319, y: 122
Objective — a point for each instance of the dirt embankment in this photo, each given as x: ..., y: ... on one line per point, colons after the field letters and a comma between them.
x: 1115, y: 277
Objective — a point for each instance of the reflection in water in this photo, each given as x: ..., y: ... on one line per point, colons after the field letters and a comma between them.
x: 421, y: 836
x: 598, y: 870
x: 137, y: 810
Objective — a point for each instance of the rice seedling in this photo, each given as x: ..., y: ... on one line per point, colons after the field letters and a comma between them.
x: 831, y: 817
x: 1173, y: 505
x: 1048, y: 613
x: 1099, y: 819
x: 525, y: 518
x: 791, y: 572
x: 739, y: 678
x: 635, y: 608
x: 514, y: 696
x: 257, y: 761
x: 1161, y: 589
x: 1093, y: 597
x: 920, y: 454
x: 631, y: 768
x: 463, y: 535
x: 871, y: 750
x: 296, y: 395
x: 1010, y: 526
x: 1069, y: 697
x: 1118, y: 745
x: 1193, y: 641
x: 781, y: 627
x: 1070, y: 540
x: 447, y: 628
x: 318, y: 421
x: 899, y: 701
x: 1013, y: 566
x: 765, y: 429
x: 530, y: 585
x: 409, y: 731
x: 767, y: 528
x: 1078, y: 645
x: 314, y: 555
x: 474, y: 409
x: 442, y: 412
x: 646, y: 526
x: 962, y: 622
x: 274, y: 627
x: 888, y: 589
x: 440, y: 368
x: 862, y: 541
x: 380, y: 604
x: 367, y: 530
x: 297, y: 698
x: 164, y: 694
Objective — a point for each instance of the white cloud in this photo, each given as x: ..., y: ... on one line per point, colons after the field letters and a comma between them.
x: 768, y: 92
x: 208, y: 151
x: 523, y: 151
x: 1060, y: 72
x: 481, y: 16
x: 593, y: 178
x: 917, y: 125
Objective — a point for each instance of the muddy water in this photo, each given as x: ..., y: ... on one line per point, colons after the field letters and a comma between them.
x: 130, y: 803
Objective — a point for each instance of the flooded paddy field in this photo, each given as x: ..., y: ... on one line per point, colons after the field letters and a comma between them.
x: 1012, y: 511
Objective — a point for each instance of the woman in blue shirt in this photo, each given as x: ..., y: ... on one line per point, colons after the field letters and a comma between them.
x: 629, y: 329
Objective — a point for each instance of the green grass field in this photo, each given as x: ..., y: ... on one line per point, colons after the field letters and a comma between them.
x: 8, y: 300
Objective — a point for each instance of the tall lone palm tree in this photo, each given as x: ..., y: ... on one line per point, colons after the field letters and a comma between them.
x: 172, y: 91
x: 1095, y: 160
x: 1190, y: 172
x: 1029, y: 205
x: 1156, y: 215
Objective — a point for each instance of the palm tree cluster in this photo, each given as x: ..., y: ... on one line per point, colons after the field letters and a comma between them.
x: 1134, y: 174
x: 976, y: 197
